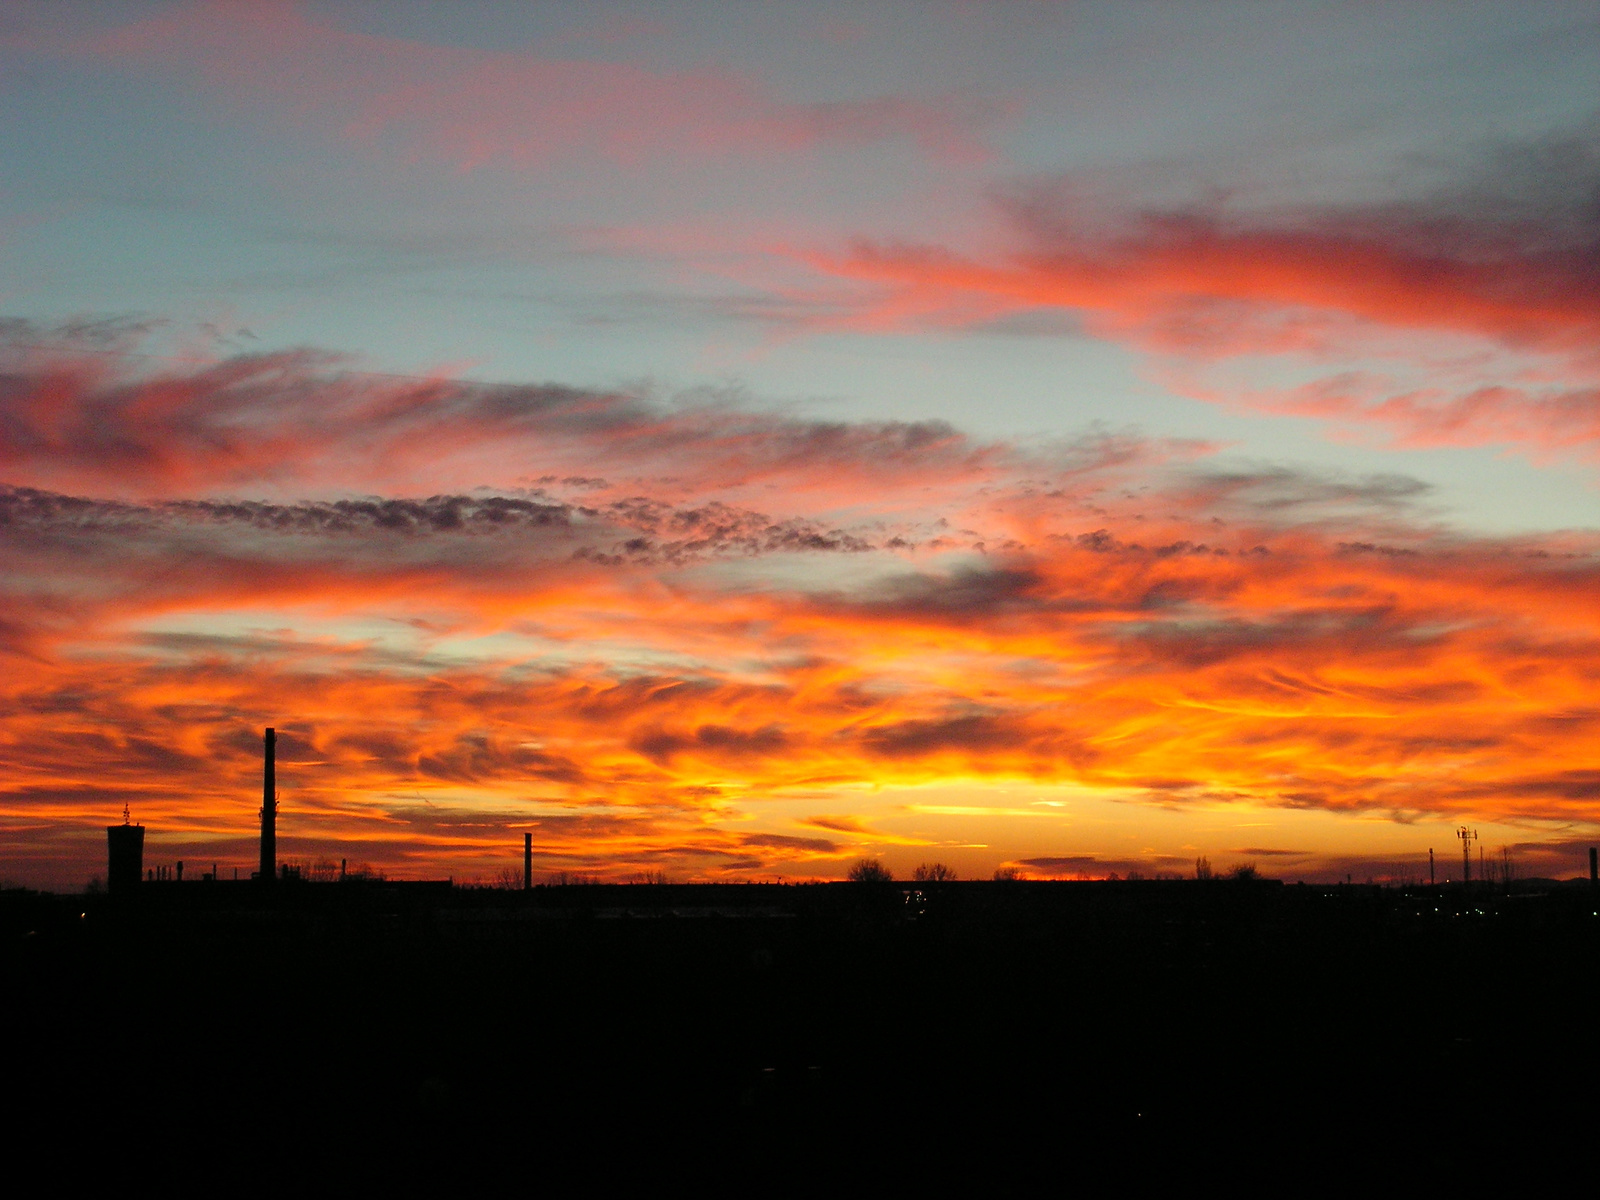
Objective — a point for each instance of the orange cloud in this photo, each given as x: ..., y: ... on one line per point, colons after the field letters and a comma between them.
x: 650, y: 678
x: 1447, y: 679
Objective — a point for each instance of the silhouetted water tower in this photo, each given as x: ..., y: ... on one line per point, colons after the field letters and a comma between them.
x: 125, y: 846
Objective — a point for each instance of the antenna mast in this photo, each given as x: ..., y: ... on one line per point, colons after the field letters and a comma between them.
x: 1467, y: 836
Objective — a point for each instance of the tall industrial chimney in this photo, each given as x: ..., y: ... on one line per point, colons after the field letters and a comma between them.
x: 527, y: 862
x: 269, y: 812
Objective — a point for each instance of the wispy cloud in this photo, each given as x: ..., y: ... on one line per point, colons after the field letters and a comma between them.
x: 1477, y: 305
x: 303, y: 420
x: 467, y: 107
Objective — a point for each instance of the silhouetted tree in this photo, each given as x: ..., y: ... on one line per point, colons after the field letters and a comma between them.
x: 1007, y: 874
x: 933, y: 873
x: 323, y: 870
x: 1245, y: 873
x: 1202, y: 868
x: 564, y: 879
x: 870, y: 870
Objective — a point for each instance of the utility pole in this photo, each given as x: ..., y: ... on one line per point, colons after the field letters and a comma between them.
x: 1430, y: 866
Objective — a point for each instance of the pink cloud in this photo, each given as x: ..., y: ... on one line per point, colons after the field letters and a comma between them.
x: 1495, y: 311
x: 470, y: 107
x: 1551, y: 420
x: 113, y: 424
x: 1195, y: 287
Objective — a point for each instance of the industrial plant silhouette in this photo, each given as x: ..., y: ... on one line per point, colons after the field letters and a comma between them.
x: 767, y: 1033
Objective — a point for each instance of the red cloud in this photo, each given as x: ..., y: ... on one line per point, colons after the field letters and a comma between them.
x: 1494, y: 307
x: 1198, y: 286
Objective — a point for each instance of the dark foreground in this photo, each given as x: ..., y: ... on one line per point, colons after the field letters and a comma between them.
x: 750, y: 1037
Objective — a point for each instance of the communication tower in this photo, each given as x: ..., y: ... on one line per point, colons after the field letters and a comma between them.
x: 1467, y: 836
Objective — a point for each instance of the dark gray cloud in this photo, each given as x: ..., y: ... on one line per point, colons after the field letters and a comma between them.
x: 1578, y: 785
x: 1288, y: 495
x: 22, y: 506
x: 1063, y: 862
x: 483, y: 529
x: 720, y: 741
x: 973, y: 734
x: 475, y: 758
x: 779, y: 841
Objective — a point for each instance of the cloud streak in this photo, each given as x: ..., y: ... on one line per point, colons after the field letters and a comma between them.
x: 468, y: 108
x: 71, y: 420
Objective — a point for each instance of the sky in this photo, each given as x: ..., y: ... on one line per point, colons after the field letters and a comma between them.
x: 731, y: 441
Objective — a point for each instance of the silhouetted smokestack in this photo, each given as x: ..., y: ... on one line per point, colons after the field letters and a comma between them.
x: 269, y: 811
x: 1594, y: 867
x: 527, y: 862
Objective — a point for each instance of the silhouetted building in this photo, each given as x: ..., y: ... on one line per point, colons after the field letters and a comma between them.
x: 125, y: 846
x: 269, y: 811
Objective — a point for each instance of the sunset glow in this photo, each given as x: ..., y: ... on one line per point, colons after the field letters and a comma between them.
x: 1160, y: 522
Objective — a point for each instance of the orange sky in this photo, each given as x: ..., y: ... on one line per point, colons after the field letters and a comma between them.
x: 1077, y: 438
x: 1108, y: 654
